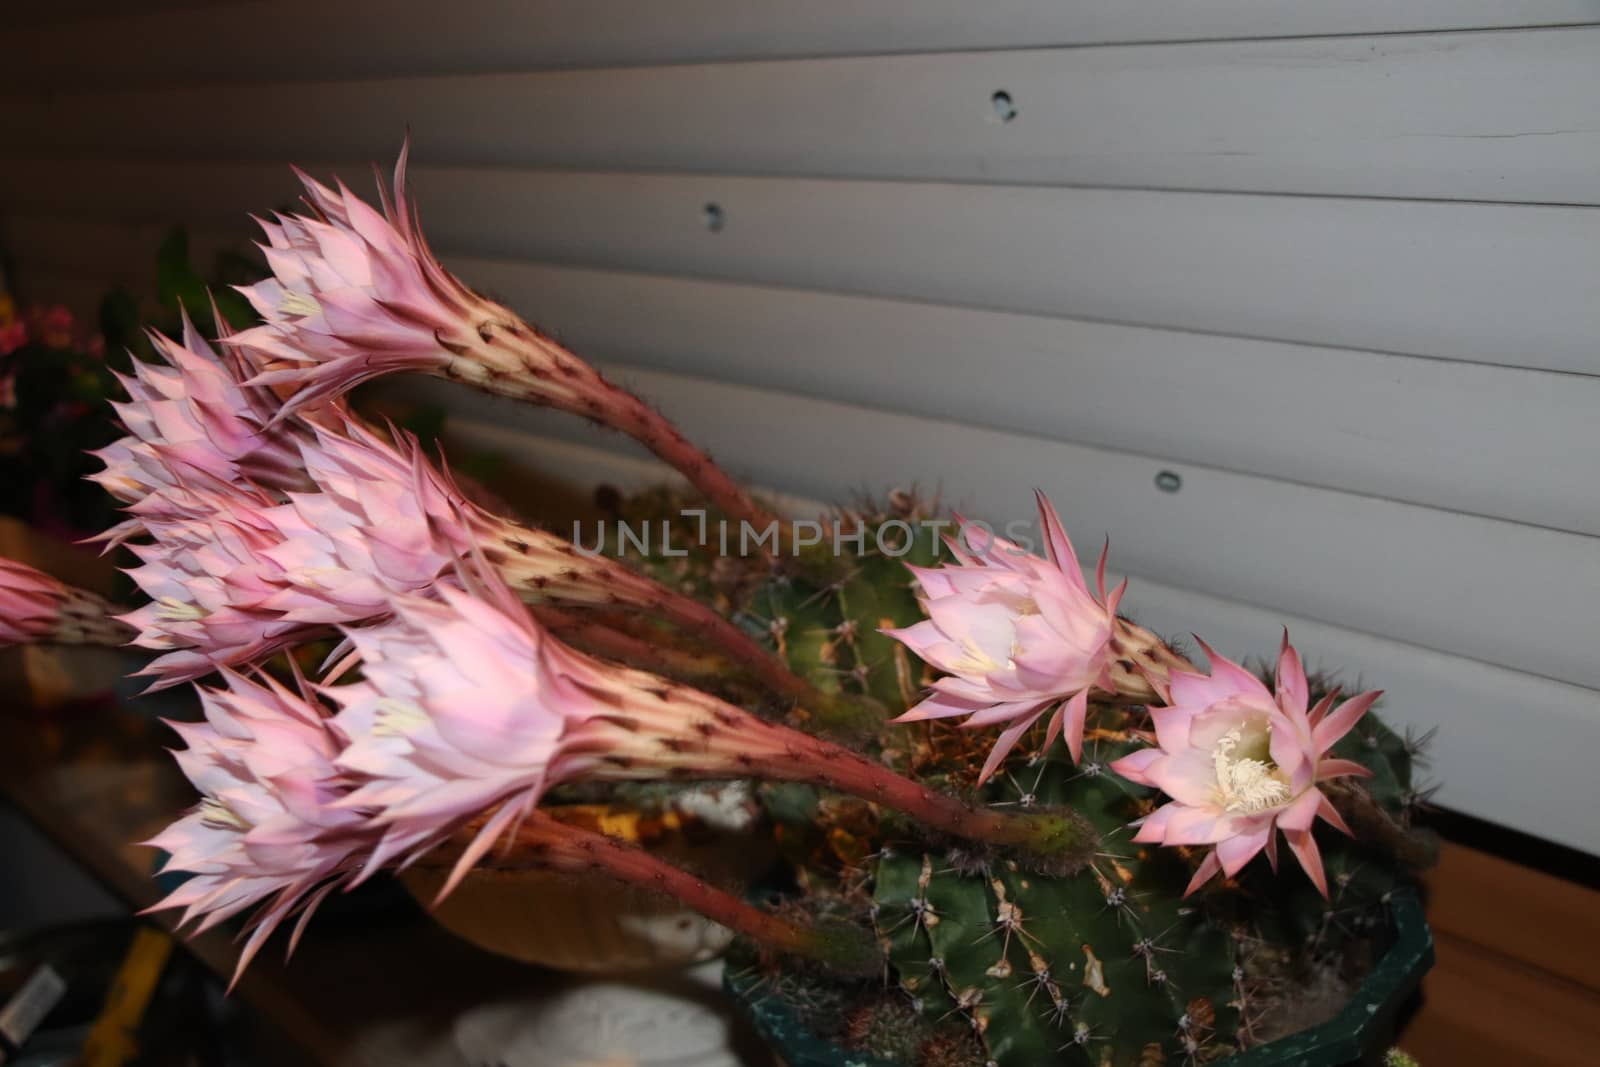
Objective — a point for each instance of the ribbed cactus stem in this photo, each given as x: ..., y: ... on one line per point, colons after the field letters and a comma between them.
x: 541, y: 841
x: 514, y: 359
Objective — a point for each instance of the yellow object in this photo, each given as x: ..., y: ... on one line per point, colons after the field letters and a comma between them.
x: 111, y: 1042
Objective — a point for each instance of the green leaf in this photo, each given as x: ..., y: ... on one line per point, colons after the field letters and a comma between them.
x: 178, y: 284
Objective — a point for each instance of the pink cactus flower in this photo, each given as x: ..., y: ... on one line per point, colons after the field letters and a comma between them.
x: 30, y: 603
x: 1016, y: 636
x: 466, y: 703
x: 1241, y: 762
x: 35, y: 608
x: 209, y: 579
x: 269, y: 832
x: 357, y: 293
x: 386, y: 521
x: 467, y: 706
x: 236, y: 573
x: 193, y: 416
x: 246, y: 574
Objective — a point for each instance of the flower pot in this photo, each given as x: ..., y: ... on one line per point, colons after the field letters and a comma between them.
x: 592, y: 925
x: 1359, y: 1034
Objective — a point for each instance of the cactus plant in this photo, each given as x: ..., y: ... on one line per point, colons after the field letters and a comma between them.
x: 961, y: 894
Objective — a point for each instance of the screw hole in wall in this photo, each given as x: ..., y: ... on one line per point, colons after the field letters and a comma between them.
x: 1168, y: 481
x: 714, y: 217
x: 1005, y: 109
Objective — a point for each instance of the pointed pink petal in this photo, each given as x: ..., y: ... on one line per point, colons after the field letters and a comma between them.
x: 1304, y: 847
x: 1002, y: 747
x: 1293, y: 693
x: 1077, y: 712
x: 1210, y: 867
x: 1338, y: 723
x: 1330, y: 815
x: 1338, y: 768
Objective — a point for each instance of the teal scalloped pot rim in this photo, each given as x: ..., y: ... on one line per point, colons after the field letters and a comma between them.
x: 1359, y: 1034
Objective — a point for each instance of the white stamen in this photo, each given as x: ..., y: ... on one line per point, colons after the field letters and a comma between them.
x: 174, y: 610
x: 398, y: 718
x: 976, y: 660
x: 296, y: 302
x: 1245, y: 785
x: 215, y: 813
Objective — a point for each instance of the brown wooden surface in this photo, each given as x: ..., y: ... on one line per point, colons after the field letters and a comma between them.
x: 1518, y: 973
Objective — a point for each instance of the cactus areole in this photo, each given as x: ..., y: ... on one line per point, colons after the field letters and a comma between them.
x: 1016, y: 827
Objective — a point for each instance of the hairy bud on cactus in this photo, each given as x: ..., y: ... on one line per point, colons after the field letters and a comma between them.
x: 887, y: 1028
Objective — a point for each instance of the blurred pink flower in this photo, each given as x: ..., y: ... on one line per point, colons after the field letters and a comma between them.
x: 1015, y: 635
x: 52, y: 326
x: 35, y: 608
x: 13, y: 335
x: 268, y: 832
x: 1241, y: 762
x: 30, y: 603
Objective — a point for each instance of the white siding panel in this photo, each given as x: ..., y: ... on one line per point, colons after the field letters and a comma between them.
x: 1499, y: 730
x: 310, y: 38
x: 1509, y: 594
x: 1364, y: 422
x: 1446, y: 434
x: 1501, y: 284
x: 1507, y: 116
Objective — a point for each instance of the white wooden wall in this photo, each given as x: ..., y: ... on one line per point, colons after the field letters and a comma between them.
x: 1335, y: 265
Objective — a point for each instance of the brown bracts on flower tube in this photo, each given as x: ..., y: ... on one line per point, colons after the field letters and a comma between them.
x: 1142, y: 664
x: 357, y: 293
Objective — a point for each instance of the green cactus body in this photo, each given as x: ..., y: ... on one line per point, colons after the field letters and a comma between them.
x: 1103, y: 967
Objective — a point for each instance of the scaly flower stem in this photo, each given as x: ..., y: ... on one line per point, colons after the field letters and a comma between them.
x: 88, y: 619
x: 611, y: 643
x: 730, y: 743
x: 1417, y: 849
x: 1063, y: 839
x: 541, y: 841
x: 548, y: 374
